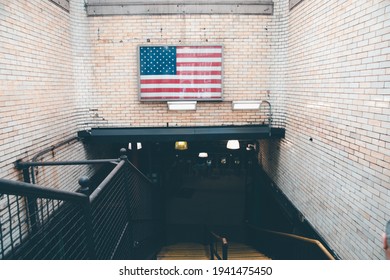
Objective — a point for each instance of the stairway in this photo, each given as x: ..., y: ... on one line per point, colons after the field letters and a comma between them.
x: 184, y: 251
x: 197, y: 251
x: 240, y: 251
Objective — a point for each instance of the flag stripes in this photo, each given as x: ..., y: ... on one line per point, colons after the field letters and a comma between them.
x: 182, y: 72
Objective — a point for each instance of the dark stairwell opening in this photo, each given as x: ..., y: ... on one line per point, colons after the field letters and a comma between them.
x: 199, y: 192
x: 205, y: 193
x: 223, y: 193
x: 169, y: 197
x: 216, y: 193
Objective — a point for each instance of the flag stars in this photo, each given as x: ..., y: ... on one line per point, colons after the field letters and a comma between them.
x: 158, y: 60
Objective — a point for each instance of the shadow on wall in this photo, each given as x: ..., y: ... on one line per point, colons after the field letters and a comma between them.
x: 66, y: 177
x: 269, y: 156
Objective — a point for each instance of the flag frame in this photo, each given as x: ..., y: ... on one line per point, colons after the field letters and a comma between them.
x: 218, y: 98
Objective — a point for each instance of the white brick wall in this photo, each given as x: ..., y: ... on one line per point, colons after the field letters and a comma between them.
x: 251, y: 65
x: 56, y: 80
x: 44, y: 60
x: 338, y: 95
x: 324, y: 66
x: 37, y: 104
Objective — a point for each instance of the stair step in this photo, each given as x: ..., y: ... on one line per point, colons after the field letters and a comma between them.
x: 184, y: 251
x: 197, y: 251
x: 239, y: 251
x: 182, y: 258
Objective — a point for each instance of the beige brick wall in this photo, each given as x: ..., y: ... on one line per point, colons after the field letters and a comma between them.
x: 324, y: 66
x: 338, y: 94
x: 251, y: 66
x: 40, y: 47
x: 55, y: 80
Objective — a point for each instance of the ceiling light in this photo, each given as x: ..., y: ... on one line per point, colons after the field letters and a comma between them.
x: 246, y: 105
x: 203, y: 155
x: 181, y: 145
x: 139, y: 146
x: 181, y: 105
x: 233, y: 144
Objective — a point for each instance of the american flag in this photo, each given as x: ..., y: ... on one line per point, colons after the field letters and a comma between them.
x: 180, y: 72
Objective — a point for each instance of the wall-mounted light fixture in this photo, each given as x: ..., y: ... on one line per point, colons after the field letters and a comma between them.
x: 254, y: 105
x: 251, y: 147
x: 246, y: 105
x: 181, y: 145
x: 181, y: 105
x: 139, y: 146
x: 233, y: 145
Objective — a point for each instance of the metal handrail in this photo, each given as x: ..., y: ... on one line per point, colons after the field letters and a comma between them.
x: 106, y: 181
x: 44, y: 151
x: 213, y: 248
x: 21, y: 165
x: 55, y: 146
x: 297, y: 237
x: 305, y: 239
x: 25, y: 189
x: 112, y: 209
x: 30, y: 227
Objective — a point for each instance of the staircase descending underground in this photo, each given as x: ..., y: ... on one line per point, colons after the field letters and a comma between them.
x: 198, y: 251
x: 184, y: 251
x: 241, y: 251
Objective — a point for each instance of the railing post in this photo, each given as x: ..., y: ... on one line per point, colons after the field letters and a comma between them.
x: 128, y: 191
x: 123, y: 155
x: 31, y: 203
x: 84, y: 183
x: 211, y: 248
x: 224, y: 250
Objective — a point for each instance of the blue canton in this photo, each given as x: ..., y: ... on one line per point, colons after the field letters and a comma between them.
x: 158, y: 60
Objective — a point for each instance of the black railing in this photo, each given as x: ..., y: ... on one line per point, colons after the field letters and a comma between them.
x: 106, y: 222
x: 285, y: 246
x: 54, y: 228
x: 218, y: 247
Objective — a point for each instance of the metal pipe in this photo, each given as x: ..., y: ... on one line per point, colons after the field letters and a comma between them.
x: 89, y: 232
x: 55, y: 146
x: 31, y: 203
x: 106, y: 181
x: 224, y: 249
x: 270, y: 115
x: 225, y: 246
x: 24, y: 189
x: 315, y: 242
x: 49, y: 149
x: 22, y: 165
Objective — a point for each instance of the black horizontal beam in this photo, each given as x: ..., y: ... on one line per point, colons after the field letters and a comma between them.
x: 183, y: 133
x: 24, y: 189
x: 20, y: 165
